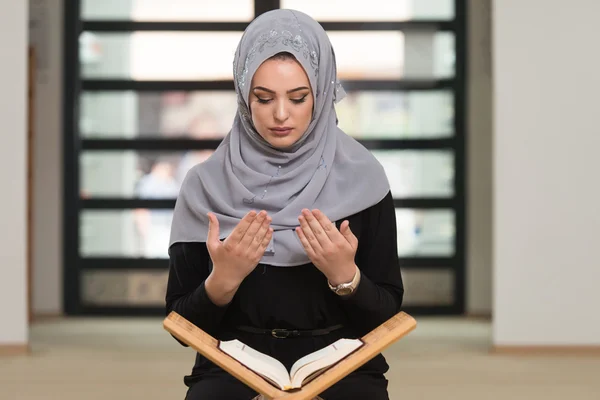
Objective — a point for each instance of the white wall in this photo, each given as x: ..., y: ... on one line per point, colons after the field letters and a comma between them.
x: 546, y: 172
x: 13, y: 170
x: 46, y: 36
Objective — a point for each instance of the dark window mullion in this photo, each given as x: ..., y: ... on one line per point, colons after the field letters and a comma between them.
x: 349, y: 85
x: 184, y: 144
x: 110, y: 26
x: 71, y: 292
x: 154, y: 86
x: 158, y: 144
x: 124, y: 26
x: 123, y: 263
x: 119, y: 203
x: 262, y: 6
x: 460, y: 128
x: 404, y: 26
x: 434, y: 143
x: 431, y: 203
x: 128, y: 263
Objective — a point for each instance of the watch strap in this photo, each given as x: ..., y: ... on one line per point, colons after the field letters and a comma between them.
x: 345, y: 287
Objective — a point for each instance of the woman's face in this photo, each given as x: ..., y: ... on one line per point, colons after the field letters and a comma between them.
x: 281, y: 102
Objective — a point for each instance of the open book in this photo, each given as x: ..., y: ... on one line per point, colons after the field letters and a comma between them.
x: 303, y: 370
x: 371, y: 344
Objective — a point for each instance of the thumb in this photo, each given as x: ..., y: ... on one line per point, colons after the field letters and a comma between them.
x: 347, y: 232
x: 213, y: 229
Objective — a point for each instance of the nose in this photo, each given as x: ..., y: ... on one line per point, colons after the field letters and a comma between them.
x: 281, y: 112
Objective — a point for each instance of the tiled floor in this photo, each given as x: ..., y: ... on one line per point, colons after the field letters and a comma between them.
x: 76, y: 359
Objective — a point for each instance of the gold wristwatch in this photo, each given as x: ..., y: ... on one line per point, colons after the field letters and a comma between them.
x: 345, y: 289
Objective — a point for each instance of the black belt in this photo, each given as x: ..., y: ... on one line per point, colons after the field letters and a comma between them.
x: 287, y: 333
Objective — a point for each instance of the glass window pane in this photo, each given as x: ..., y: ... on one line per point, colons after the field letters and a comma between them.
x: 125, y: 233
x: 209, y: 55
x: 418, y: 173
x: 129, y: 114
x: 357, y: 59
x: 171, y: 10
x: 373, y: 10
x: 443, y: 56
x: 123, y: 288
x: 422, y: 54
x: 158, y: 55
x: 149, y: 174
x: 425, y: 233
x: 428, y: 287
x: 209, y: 115
x: 397, y: 115
x: 139, y: 174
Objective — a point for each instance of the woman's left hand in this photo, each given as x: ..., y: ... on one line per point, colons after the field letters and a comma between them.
x: 331, y: 250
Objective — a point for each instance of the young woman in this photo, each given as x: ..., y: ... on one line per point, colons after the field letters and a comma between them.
x: 290, y: 224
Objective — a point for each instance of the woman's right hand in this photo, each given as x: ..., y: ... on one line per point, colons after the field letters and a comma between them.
x: 237, y: 256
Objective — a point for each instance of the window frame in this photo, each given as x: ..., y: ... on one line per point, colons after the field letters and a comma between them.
x: 73, y: 144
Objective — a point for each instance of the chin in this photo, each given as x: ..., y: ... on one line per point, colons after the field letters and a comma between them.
x: 282, y: 143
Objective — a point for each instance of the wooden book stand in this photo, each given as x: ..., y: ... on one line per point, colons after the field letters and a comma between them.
x: 374, y: 343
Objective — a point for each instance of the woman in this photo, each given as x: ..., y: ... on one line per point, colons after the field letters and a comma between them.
x: 271, y: 190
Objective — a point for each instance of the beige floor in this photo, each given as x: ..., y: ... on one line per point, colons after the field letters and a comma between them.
x: 135, y: 359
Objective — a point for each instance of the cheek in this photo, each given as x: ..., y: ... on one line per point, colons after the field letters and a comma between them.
x: 258, y: 115
x: 307, y: 113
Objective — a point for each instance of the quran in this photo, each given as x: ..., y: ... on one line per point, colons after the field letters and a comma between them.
x: 335, y: 365
x: 303, y: 370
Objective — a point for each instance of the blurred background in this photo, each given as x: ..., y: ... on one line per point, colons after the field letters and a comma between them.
x: 480, y: 111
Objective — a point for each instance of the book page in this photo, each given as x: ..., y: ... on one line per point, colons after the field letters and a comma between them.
x: 321, y: 359
x: 266, y: 366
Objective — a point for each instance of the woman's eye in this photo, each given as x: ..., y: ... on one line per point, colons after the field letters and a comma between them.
x: 263, y: 101
x: 300, y: 100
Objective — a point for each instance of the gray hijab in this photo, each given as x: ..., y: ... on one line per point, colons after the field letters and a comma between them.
x: 326, y: 169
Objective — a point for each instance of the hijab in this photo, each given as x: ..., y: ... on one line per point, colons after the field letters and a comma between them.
x: 325, y: 169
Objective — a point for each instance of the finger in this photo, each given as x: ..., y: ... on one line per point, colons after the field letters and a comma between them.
x: 213, y: 230
x: 241, y: 228
x: 309, y: 234
x: 348, y: 234
x: 253, y: 229
x: 260, y: 251
x: 305, y: 243
x: 260, y: 235
x: 328, y: 227
x: 316, y: 228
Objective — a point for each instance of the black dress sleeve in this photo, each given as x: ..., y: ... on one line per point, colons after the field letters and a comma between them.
x: 379, y: 294
x: 186, y: 294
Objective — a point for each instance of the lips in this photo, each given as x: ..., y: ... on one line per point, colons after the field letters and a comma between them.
x: 281, y: 131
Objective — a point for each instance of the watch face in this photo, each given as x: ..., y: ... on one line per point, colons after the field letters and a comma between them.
x: 344, y: 291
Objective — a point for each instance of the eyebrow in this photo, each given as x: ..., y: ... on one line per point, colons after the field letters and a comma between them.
x: 264, y: 89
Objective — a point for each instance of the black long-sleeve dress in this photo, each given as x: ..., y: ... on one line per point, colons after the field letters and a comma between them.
x: 293, y: 298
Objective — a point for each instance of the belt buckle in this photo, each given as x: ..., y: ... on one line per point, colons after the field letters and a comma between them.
x: 280, y: 333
